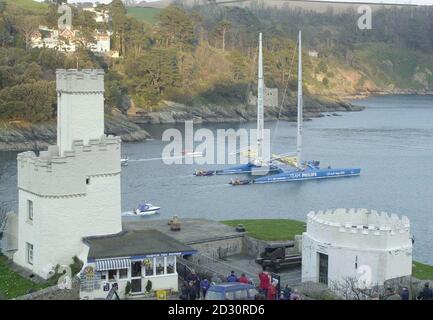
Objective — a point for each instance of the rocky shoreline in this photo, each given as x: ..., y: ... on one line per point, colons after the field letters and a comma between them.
x: 17, y: 136
x: 178, y: 113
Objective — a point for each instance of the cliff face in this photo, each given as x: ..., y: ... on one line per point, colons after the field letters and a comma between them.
x: 17, y: 136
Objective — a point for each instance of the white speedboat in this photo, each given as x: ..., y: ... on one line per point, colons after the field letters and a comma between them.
x: 124, y: 161
x: 145, y: 209
x: 192, y: 154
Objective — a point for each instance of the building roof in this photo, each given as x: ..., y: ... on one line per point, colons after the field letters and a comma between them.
x: 134, y: 243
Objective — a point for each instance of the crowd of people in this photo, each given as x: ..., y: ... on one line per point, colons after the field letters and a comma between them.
x: 194, y: 288
x: 425, y: 294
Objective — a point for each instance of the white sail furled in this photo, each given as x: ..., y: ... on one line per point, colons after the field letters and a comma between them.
x: 260, y: 115
x: 300, y: 108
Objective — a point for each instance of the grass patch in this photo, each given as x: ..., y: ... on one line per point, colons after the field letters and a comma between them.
x: 270, y: 229
x: 29, y: 5
x: 143, y: 14
x: 13, y: 285
x: 422, y: 271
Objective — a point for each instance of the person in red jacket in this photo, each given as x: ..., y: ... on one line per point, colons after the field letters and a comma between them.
x: 264, y: 282
x: 272, y: 292
x: 243, y: 279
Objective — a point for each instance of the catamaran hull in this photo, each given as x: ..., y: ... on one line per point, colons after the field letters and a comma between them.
x: 247, y: 169
x: 309, y: 175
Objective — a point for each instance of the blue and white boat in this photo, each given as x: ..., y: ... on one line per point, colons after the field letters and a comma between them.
x: 256, y: 164
x: 296, y: 169
x: 143, y: 209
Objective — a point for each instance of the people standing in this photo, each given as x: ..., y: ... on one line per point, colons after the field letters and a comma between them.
x: 193, y: 277
x: 392, y: 295
x: 243, y: 279
x: 404, y: 294
x: 426, y: 293
x: 204, y: 285
x: 295, y: 295
x: 232, y: 277
x: 192, y: 291
x: 272, y: 292
x: 264, y: 282
x: 287, y: 292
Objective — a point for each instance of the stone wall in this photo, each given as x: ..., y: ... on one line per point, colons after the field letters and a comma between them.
x: 219, y: 248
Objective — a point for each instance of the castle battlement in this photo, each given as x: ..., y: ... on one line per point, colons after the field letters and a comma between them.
x: 355, y: 242
x: 84, y: 81
x: 39, y: 174
x: 359, y: 227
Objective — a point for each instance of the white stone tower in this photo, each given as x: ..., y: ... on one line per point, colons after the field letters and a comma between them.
x: 72, y: 190
x: 362, y: 245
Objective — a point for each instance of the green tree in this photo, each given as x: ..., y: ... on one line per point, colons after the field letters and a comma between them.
x: 176, y: 28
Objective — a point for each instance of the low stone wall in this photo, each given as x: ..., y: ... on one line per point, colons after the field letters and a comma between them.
x: 55, y: 293
x: 221, y: 248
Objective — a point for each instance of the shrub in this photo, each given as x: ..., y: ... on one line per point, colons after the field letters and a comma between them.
x: 149, y: 286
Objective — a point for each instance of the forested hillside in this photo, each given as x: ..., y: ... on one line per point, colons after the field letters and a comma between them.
x: 206, y: 55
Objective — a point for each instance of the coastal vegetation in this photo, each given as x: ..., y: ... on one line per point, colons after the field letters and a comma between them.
x: 204, y: 55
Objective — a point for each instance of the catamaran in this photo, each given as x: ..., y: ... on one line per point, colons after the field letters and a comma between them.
x: 256, y: 163
x: 289, y: 170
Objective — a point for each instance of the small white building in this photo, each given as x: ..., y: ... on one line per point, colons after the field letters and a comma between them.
x: 270, y: 98
x: 313, y: 53
x: 140, y: 258
x: 356, y: 244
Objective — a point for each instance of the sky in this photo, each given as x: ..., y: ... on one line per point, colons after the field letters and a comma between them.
x: 418, y: 2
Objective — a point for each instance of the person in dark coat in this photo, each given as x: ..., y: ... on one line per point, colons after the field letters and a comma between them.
x: 204, y: 285
x: 287, y: 292
x: 232, y: 277
x: 426, y: 293
x: 184, y: 292
x: 193, y: 277
x: 404, y: 294
x: 192, y: 291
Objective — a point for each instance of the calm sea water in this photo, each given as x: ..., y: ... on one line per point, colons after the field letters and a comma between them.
x: 391, y: 140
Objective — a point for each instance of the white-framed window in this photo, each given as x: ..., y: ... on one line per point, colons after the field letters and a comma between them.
x: 171, y: 264
x: 148, y: 267
x: 29, y: 253
x: 123, y: 273
x: 30, y: 210
x: 112, y: 275
x: 159, y: 265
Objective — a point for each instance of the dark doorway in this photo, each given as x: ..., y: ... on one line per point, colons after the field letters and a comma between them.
x: 136, y: 286
x: 323, y: 268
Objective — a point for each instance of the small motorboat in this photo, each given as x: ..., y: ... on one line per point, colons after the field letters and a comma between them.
x: 144, y: 209
x: 192, y: 154
x: 204, y: 173
x: 124, y: 162
x: 239, y: 182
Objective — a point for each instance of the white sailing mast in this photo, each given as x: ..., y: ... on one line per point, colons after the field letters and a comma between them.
x: 260, y: 116
x: 300, y: 109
